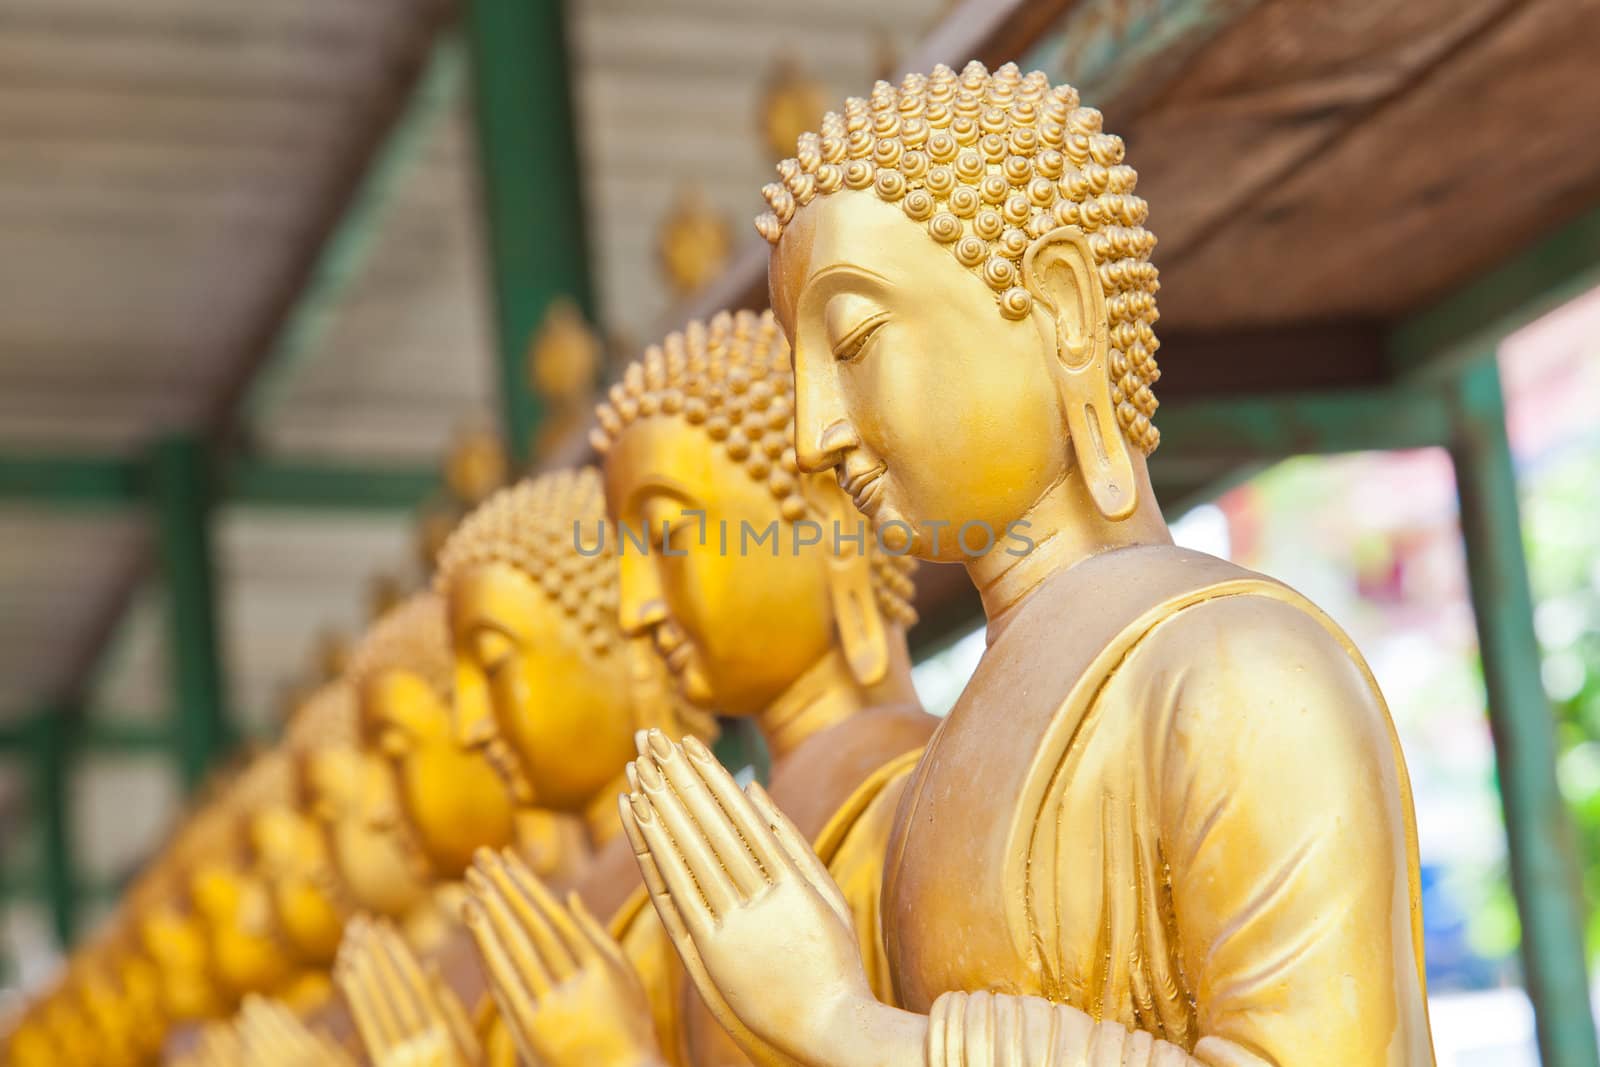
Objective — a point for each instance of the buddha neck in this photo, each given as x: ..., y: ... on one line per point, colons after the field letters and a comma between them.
x: 1066, y: 528
x: 825, y: 695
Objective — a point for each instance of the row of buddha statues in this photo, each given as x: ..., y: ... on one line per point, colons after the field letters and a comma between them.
x: 1166, y: 823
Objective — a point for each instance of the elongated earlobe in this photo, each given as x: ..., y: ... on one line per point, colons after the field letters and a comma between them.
x: 1059, y: 271
x: 855, y: 608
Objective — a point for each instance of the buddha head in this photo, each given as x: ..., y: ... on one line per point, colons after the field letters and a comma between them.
x: 743, y: 571
x: 962, y: 269
x: 170, y: 935
x: 545, y: 681
x: 29, y: 1044
x: 69, y: 1027
x: 308, y: 900
x: 351, y: 794
x: 452, y: 796
x: 140, y: 983
x: 228, y: 893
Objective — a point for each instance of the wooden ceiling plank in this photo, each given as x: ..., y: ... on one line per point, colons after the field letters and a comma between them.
x: 1418, y: 174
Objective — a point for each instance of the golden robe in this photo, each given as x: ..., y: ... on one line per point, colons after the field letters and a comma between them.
x: 1172, y: 799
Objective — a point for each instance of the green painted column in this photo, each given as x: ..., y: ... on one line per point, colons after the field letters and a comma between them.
x: 181, y: 486
x: 1544, y: 870
x: 52, y: 808
x: 532, y: 191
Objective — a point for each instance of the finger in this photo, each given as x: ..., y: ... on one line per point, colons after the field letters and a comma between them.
x: 697, y: 918
x: 259, y: 1030
x: 502, y: 926
x: 365, y: 979
x: 649, y: 871
x: 276, y: 1020
x: 557, y: 917
x: 750, y: 824
x: 387, y: 953
x: 719, y: 824
x: 799, y: 852
x: 600, y: 941
x: 672, y: 919
x: 538, y: 913
x: 687, y: 841
x: 517, y: 1005
x: 412, y: 981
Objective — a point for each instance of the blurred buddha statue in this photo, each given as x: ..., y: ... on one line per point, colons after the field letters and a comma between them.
x: 235, y: 900
x: 309, y: 901
x: 546, y: 686
x: 802, y: 631
x: 122, y: 1016
x: 170, y: 934
x: 29, y: 1043
x: 1168, y: 821
x: 453, y: 798
x: 351, y: 794
x: 71, y: 1031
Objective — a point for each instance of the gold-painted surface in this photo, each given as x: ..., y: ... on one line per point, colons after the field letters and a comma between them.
x: 554, y: 970
x: 545, y: 684
x: 477, y: 464
x: 308, y: 900
x: 29, y: 1044
x: 405, y: 1013
x: 564, y: 356
x: 791, y: 103
x: 451, y: 796
x: 694, y: 242
x: 272, y: 1035
x: 813, y: 649
x: 1168, y: 821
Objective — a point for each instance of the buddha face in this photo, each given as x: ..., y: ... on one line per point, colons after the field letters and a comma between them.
x: 354, y: 798
x: 293, y: 859
x: 735, y: 622
x: 111, y: 1017
x: 455, y: 800
x: 29, y: 1045
x: 927, y: 403
x: 69, y: 1027
x: 141, y: 991
x: 237, y: 912
x: 176, y: 944
x: 525, y: 673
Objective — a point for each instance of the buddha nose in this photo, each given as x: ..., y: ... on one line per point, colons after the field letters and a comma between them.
x: 471, y: 717
x: 640, y: 607
x: 822, y: 430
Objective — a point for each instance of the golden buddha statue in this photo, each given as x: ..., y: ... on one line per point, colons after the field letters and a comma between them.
x: 168, y: 932
x: 451, y: 796
x: 309, y: 902
x: 125, y: 1030
x: 351, y: 794
x: 1168, y: 821
x: 546, y: 686
x: 234, y: 899
x: 29, y: 1043
x: 805, y: 635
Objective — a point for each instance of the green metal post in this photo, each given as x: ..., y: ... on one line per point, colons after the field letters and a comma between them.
x: 52, y: 808
x: 528, y: 149
x: 181, y: 479
x: 1544, y: 873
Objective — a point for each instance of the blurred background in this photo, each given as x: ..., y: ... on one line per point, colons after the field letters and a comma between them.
x: 286, y: 287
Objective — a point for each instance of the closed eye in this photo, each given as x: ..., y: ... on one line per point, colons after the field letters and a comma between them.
x: 855, y: 342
